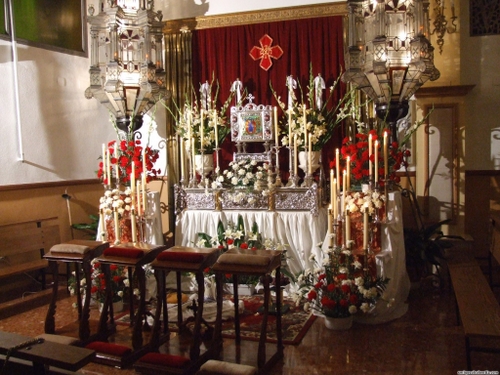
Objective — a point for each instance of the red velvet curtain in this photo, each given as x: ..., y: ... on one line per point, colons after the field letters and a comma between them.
x: 224, y: 54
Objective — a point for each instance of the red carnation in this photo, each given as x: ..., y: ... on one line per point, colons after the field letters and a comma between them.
x: 312, y: 295
x: 244, y: 246
x: 343, y: 303
x: 331, y: 287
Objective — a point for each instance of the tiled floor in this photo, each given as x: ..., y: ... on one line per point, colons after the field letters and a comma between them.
x: 424, y: 341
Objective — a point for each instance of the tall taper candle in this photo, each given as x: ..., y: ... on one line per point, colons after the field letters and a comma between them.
x: 337, y: 165
x: 295, y: 155
x: 305, y: 123
x: 102, y: 226
x: 181, y: 145
x: 202, y: 120
x: 365, y: 229
x: 330, y: 215
x: 104, y: 163
x: 117, y: 169
x: 376, y: 161
x: 335, y: 203
x: 193, y: 165
x: 138, y: 200
x: 275, y: 119
x: 132, y: 179
x: 347, y: 230
x: 370, y: 152
x: 216, y: 130
x: 117, y: 226
x: 331, y: 187
x: 290, y: 127
x: 309, y: 154
x: 386, y: 156
x: 134, y: 225
x: 344, y: 191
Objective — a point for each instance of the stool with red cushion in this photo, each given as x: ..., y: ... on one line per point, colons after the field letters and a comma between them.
x: 78, y: 253
x: 182, y: 259
x: 259, y: 263
x: 133, y: 257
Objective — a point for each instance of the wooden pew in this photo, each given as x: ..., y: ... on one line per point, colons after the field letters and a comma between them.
x: 23, y: 245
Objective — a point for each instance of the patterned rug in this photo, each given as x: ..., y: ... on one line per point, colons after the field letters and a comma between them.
x: 295, y: 322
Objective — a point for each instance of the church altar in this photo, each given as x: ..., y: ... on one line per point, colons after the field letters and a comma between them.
x: 301, y: 231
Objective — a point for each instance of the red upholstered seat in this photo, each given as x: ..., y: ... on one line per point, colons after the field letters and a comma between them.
x: 124, y: 252
x: 164, y: 360
x: 108, y: 348
x: 179, y: 256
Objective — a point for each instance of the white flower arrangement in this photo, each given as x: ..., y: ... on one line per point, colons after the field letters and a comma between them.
x: 116, y: 199
x: 370, y: 200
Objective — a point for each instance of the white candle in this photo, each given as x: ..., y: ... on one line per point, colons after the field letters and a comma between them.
x: 215, y: 130
x: 132, y: 178
x: 330, y: 214
x: 309, y: 154
x: 344, y: 190
x: 144, y: 199
x: 376, y: 161
x: 181, y: 145
x: 295, y: 153
x: 138, y: 200
x: 117, y: 169
x: 332, y: 186
x: 335, y: 203
x: 386, y: 168
x: 337, y: 164
x: 275, y: 110
x: 348, y: 179
x: 117, y: 226
x: 202, y: 113
x: 290, y: 127
x: 365, y: 229
x: 370, y: 151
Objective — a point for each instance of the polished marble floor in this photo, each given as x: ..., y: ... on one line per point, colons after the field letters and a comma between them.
x: 426, y: 340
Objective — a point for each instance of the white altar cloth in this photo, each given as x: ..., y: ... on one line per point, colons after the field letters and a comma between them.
x: 301, y: 231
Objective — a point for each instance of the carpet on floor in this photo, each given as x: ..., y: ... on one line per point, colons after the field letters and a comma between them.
x: 295, y: 322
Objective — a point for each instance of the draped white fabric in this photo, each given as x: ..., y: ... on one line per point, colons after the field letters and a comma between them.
x: 391, y: 263
x: 301, y: 231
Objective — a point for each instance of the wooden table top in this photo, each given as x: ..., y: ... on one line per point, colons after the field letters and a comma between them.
x: 66, y: 357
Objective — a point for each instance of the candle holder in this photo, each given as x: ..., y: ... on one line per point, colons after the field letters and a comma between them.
x: 278, y: 181
x: 308, y: 181
x: 218, y: 200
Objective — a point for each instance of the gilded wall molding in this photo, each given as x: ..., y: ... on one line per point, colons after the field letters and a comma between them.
x: 262, y: 16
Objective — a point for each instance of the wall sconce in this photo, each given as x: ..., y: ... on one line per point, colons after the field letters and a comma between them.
x: 126, y: 72
x: 440, y: 23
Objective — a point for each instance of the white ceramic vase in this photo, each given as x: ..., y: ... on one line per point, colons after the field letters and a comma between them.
x: 304, y: 161
x: 338, y: 324
x: 204, y: 166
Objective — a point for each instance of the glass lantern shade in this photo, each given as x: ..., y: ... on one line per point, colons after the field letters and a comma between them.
x: 126, y: 73
x: 388, y: 55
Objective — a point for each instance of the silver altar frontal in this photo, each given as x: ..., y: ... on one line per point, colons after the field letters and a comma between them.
x: 279, y: 199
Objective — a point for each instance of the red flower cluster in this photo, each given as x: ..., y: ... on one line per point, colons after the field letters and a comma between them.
x: 358, y: 152
x: 128, y: 152
x: 98, y: 288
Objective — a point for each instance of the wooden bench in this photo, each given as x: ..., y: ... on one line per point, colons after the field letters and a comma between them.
x: 477, y: 307
x: 23, y: 245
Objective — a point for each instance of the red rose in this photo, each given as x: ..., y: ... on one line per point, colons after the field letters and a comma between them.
x: 113, y: 267
x: 331, y: 287
x: 318, y: 285
x: 230, y: 241
x: 312, y: 295
x: 244, y: 246
x: 206, y: 270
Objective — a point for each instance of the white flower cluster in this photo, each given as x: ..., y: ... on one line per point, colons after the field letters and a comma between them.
x: 370, y: 200
x: 115, y: 200
x: 245, y: 173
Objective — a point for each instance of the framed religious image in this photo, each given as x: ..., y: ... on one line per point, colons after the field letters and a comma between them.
x: 251, y: 123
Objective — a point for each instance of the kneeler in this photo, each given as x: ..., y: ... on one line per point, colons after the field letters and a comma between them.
x: 182, y: 259
x: 133, y: 257
x: 80, y: 253
x: 259, y: 263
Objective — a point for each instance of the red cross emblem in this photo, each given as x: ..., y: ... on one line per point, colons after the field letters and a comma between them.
x: 265, y: 52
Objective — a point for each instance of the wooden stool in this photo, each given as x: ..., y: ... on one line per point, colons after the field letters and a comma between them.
x: 260, y: 263
x: 80, y: 253
x: 133, y: 257
x: 182, y: 259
